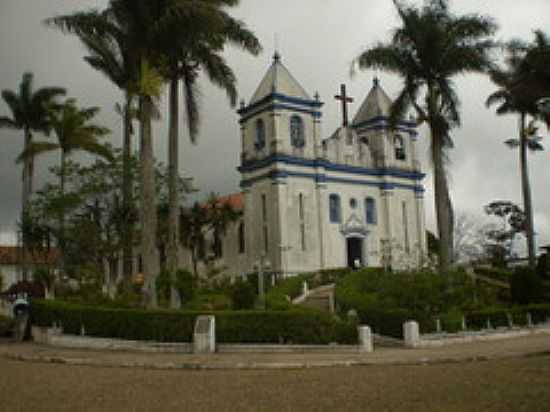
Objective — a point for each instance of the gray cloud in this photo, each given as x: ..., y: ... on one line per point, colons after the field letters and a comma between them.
x: 318, y: 41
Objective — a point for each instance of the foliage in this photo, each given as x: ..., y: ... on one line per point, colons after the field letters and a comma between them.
x: 500, y: 239
x: 526, y: 286
x: 1, y: 281
x: 497, y: 273
x: 279, y: 297
x: 415, y: 54
x: 203, y: 221
x: 498, y: 317
x: 243, y: 295
x: 385, y: 301
x: 299, y: 326
x: 6, y: 326
x: 44, y: 277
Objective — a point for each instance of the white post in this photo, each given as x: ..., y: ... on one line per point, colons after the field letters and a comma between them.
x: 411, y: 333
x: 365, y: 339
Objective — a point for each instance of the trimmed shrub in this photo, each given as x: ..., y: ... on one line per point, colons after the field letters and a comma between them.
x: 296, y: 326
x: 6, y: 326
x: 502, y: 274
x: 526, y: 286
x: 499, y: 316
x: 243, y: 295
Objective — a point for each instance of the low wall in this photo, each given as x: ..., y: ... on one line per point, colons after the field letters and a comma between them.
x: 413, y: 339
x: 55, y: 337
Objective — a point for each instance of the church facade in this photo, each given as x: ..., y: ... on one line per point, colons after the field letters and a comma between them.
x: 310, y: 203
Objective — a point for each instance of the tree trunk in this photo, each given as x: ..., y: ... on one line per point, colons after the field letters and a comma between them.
x: 526, y: 190
x: 26, y: 196
x: 148, y: 204
x: 173, y: 209
x: 442, y: 202
x: 127, y: 196
x: 62, y: 211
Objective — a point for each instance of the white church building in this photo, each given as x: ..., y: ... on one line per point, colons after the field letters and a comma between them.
x: 311, y: 203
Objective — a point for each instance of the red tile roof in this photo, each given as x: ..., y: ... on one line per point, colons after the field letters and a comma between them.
x: 235, y: 200
x: 13, y: 255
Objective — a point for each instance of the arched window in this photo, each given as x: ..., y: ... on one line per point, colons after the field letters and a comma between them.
x: 297, y: 131
x: 399, y: 144
x: 335, y: 209
x: 370, y: 211
x: 259, y: 143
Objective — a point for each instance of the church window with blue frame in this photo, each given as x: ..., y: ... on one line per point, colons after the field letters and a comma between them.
x: 259, y: 143
x: 297, y: 138
x: 370, y: 211
x: 335, y: 209
x: 399, y: 144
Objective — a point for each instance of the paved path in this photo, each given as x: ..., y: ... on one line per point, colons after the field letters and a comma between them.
x: 512, y: 348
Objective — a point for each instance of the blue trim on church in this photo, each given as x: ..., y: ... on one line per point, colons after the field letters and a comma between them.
x: 383, y: 122
x: 276, y: 175
x: 281, y: 97
x: 278, y: 101
x: 276, y: 106
x: 329, y: 166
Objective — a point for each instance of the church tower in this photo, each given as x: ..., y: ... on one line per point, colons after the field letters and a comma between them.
x: 281, y: 138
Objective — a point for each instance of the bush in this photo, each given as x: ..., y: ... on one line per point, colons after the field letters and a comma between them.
x: 499, y: 316
x: 277, y: 298
x: 243, y: 295
x: 6, y: 326
x: 526, y: 287
x: 297, y: 326
x: 502, y: 274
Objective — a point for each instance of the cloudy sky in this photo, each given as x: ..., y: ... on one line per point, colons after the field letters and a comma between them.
x: 318, y: 40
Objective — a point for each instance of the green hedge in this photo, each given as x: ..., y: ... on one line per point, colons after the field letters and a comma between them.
x: 499, y: 316
x: 6, y: 326
x: 296, y: 326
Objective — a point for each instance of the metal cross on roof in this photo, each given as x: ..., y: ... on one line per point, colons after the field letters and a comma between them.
x: 345, y: 99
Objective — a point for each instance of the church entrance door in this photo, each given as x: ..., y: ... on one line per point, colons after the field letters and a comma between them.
x: 355, y: 251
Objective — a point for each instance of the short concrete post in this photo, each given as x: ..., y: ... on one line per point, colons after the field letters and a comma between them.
x: 204, y: 336
x: 529, y: 320
x: 464, y: 326
x: 305, y: 290
x: 411, y: 333
x: 438, y: 325
x: 365, y: 339
x: 510, y: 320
x: 489, y: 326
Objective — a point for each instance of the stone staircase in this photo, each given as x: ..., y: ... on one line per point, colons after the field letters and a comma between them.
x: 321, y: 298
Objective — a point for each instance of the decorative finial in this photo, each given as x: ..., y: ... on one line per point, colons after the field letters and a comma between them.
x: 276, y: 57
x: 317, y: 96
x: 376, y: 81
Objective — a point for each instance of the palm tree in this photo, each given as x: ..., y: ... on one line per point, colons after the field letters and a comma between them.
x: 430, y: 48
x: 111, y: 53
x: 522, y: 84
x: 74, y: 132
x: 199, y: 49
x: 30, y: 111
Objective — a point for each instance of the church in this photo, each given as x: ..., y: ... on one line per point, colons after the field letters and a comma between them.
x: 308, y: 203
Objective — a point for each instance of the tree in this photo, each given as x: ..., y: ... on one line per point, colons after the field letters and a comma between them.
x: 522, y: 84
x: 430, y: 48
x: 199, y: 50
x: 113, y: 54
x: 203, y: 221
x: 468, y: 238
x: 30, y: 113
x: 500, y: 239
x: 74, y: 132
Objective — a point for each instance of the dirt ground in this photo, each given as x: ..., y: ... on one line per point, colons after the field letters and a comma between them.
x: 498, y: 385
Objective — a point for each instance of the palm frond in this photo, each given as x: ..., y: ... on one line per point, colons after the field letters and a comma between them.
x: 35, y: 149
x: 7, y: 123
x: 512, y: 143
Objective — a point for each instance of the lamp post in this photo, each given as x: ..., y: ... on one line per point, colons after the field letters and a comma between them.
x: 261, y: 265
